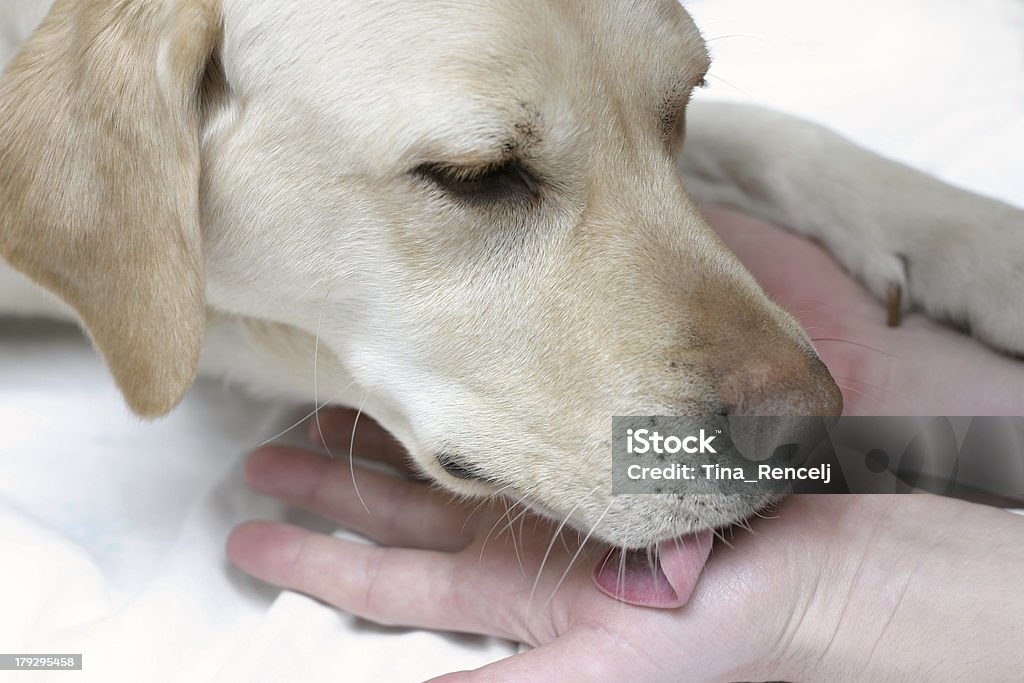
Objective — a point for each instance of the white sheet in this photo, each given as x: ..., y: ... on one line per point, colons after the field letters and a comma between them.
x: 112, y: 531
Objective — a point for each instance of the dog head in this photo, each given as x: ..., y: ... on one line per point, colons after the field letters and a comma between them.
x: 474, y: 207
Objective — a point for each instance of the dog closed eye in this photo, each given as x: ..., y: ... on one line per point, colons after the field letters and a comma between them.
x: 506, y: 181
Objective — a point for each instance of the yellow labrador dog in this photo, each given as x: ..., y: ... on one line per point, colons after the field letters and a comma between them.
x: 466, y: 218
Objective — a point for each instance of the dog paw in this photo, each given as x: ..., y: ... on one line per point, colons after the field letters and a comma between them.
x: 970, y: 275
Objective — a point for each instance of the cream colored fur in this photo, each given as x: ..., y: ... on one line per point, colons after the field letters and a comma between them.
x: 99, y: 168
x: 271, y: 167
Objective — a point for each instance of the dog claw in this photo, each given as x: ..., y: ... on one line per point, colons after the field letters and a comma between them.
x: 895, y: 305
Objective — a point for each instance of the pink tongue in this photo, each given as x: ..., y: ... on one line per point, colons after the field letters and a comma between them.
x: 666, y: 585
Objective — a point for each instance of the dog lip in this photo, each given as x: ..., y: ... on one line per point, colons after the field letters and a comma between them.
x: 453, y: 466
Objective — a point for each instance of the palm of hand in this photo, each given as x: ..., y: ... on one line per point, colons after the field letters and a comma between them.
x: 919, y: 368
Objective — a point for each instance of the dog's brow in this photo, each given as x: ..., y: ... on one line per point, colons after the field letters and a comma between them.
x: 517, y: 142
x: 526, y: 133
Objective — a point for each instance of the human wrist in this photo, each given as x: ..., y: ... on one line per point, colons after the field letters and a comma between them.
x: 926, y: 589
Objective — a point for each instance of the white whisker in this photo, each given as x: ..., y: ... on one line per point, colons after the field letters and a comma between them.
x: 293, y: 426
x: 731, y: 85
x: 515, y: 546
x: 652, y: 555
x: 565, y: 543
x: 572, y: 561
x: 316, y: 387
x: 766, y: 513
x: 351, y: 453
x: 720, y: 535
x: 487, y: 499
x: 620, y: 581
x: 508, y: 514
x: 551, y: 545
x: 607, y: 557
x: 316, y: 409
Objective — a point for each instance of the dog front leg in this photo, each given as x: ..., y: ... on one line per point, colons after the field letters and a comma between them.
x: 953, y: 254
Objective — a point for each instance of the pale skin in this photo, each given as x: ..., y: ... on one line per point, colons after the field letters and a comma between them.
x: 823, y: 588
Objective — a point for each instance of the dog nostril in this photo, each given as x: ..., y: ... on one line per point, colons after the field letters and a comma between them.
x: 450, y: 464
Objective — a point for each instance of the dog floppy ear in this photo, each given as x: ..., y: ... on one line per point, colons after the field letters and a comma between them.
x: 99, y: 178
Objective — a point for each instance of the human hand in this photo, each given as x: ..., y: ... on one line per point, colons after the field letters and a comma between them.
x: 918, y: 368
x: 826, y: 566
x: 825, y: 589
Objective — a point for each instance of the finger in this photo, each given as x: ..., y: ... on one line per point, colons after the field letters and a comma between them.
x: 338, y: 429
x: 390, y: 586
x: 388, y: 509
x: 592, y: 655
